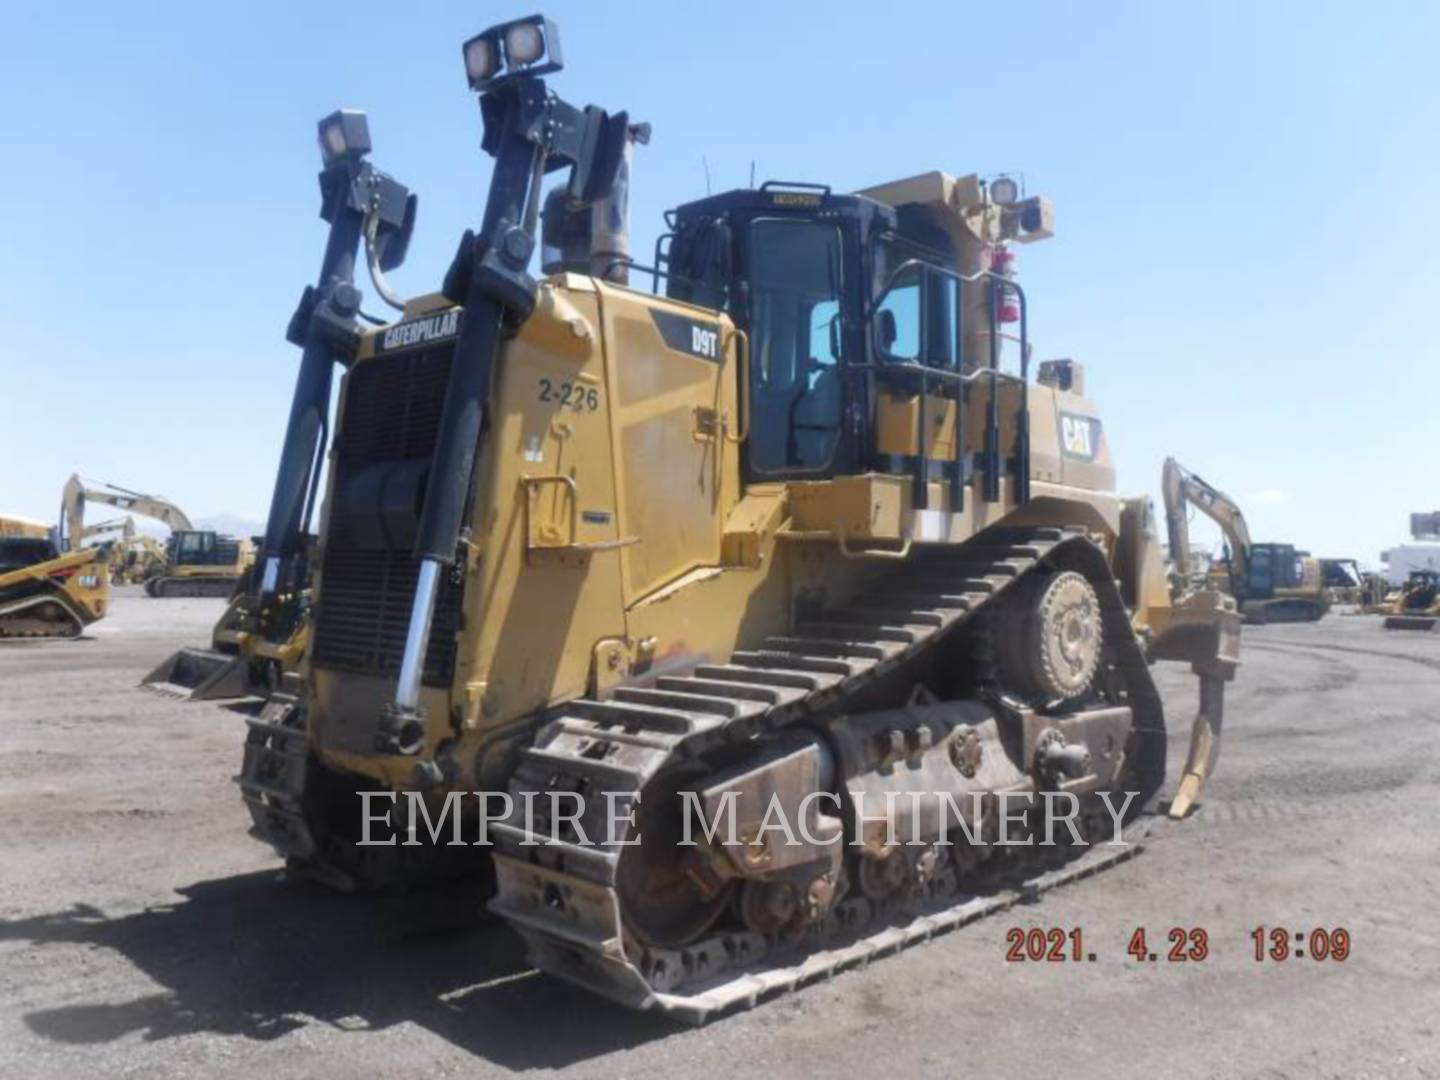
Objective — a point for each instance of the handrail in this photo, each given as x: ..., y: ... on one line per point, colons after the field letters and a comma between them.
x: 742, y: 399
x: 655, y: 274
x: 904, y: 367
x: 842, y: 541
x: 991, y: 372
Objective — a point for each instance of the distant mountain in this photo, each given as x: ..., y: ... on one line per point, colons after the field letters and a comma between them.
x: 225, y: 524
x: 231, y: 525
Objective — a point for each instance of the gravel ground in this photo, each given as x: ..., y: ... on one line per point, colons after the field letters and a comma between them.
x: 142, y: 932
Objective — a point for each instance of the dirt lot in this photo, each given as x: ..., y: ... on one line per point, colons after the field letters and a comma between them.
x: 143, y: 933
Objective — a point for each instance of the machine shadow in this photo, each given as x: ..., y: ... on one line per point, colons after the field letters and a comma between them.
x: 252, y: 957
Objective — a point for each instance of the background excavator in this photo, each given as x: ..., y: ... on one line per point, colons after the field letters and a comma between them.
x: 131, y: 556
x: 44, y: 592
x: 803, y: 523
x: 197, y: 562
x: 1272, y: 582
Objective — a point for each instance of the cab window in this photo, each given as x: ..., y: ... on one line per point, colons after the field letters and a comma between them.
x: 917, y: 318
x: 795, y: 336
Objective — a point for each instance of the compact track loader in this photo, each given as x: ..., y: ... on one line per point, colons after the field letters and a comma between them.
x: 806, y: 532
x: 44, y: 592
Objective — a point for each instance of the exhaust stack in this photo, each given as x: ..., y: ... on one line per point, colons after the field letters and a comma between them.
x: 610, y: 217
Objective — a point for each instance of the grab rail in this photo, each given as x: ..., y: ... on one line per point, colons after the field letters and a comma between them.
x: 990, y: 453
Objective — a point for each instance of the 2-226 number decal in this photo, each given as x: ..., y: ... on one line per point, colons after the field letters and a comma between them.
x: 570, y: 395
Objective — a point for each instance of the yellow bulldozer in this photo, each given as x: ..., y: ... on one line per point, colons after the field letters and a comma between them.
x: 45, y: 592
x: 196, y: 562
x: 803, y: 532
x: 1272, y: 582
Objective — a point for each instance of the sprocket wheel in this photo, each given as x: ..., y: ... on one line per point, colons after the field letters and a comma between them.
x: 1050, y: 637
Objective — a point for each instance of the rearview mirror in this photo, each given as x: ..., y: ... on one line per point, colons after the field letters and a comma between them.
x: 392, y: 244
x: 886, y: 329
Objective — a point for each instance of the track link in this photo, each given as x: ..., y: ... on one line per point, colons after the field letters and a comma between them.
x: 561, y: 894
x: 47, y: 614
x: 167, y: 588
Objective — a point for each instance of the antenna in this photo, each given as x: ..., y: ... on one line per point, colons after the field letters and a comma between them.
x: 705, y: 163
x: 752, y: 174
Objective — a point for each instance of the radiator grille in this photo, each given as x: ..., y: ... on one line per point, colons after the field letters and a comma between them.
x: 392, y: 414
x: 364, y: 611
x: 392, y: 408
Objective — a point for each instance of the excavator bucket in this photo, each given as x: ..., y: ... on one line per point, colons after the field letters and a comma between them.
x: 199, y: 675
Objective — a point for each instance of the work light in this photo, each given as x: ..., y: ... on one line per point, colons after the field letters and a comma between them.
x: 529, y: 46
x: 481, y: 60
x: 1004, y: 191
x: 344, y: 133
x: 524, y: 44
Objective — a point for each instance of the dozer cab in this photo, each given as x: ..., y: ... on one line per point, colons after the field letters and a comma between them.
x: 1272, y: 582
x: 45, y: 592
x: 806, y: 532
x: 196, y: 562
x: 1418, y: 605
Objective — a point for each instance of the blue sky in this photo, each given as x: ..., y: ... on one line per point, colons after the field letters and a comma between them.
x: 1245, y: 259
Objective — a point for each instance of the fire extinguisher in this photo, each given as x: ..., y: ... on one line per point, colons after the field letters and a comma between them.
x: 1007, y: 303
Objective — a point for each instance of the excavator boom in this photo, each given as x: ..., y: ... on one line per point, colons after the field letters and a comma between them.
x: 77, y: 493
x: 1182, y: 487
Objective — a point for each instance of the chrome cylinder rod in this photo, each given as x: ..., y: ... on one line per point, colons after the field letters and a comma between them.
x: 272, y: 576
x: 412, y: 665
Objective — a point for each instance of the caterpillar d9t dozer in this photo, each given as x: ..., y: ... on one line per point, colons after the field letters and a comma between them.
x: 800, y: 536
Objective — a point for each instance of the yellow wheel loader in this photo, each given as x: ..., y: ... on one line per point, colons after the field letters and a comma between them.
x: 1271, y: 582
x: 44, y: 593
x: 803, y: 537
x: 196, y: 562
